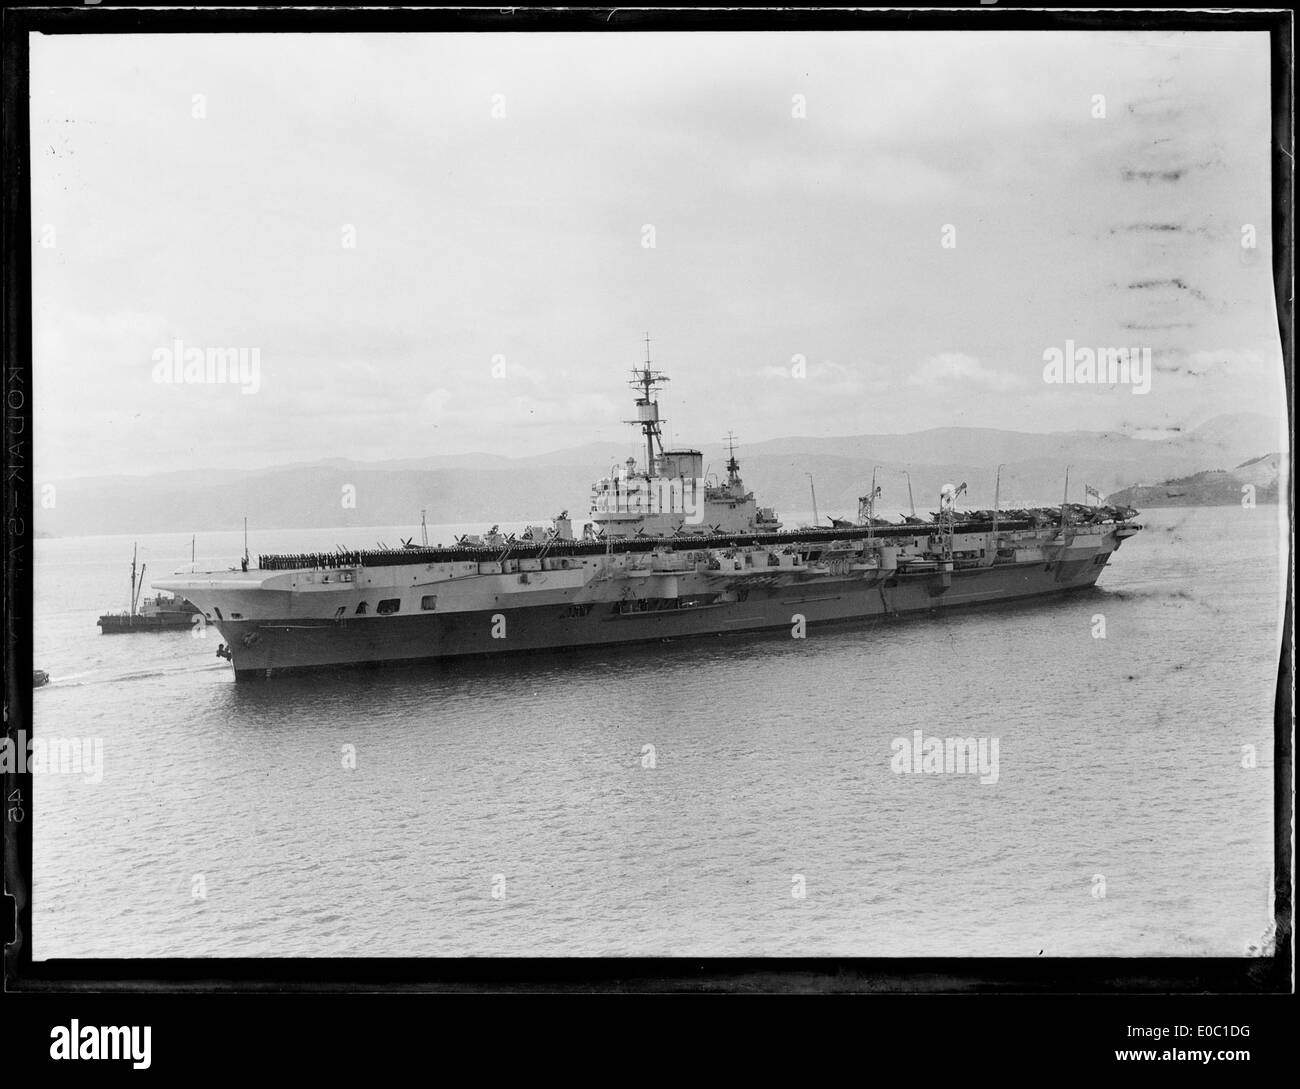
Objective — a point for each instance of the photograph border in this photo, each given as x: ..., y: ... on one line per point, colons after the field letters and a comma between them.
x: 977, y: 975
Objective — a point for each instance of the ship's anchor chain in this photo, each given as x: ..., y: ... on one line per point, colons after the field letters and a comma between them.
x: 223, y: 651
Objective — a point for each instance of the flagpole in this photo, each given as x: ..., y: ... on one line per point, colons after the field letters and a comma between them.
x: 1065, y: 499
x: 997, y: 499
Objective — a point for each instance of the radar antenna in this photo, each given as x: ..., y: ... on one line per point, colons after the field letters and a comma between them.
x: 647, y: 382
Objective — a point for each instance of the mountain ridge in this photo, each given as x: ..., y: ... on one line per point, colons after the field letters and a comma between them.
x: 467, y: 488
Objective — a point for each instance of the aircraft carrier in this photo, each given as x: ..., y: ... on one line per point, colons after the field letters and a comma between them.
x: 667, y: 554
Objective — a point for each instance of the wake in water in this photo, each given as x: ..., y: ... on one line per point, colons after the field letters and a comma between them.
x: 99, y: 676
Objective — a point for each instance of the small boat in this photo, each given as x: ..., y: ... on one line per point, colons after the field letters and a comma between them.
x: 162, y: 612
x: 39, y: 677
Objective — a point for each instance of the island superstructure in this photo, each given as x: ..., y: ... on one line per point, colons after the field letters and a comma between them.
x: 669, y: 495
x: 667, y: 554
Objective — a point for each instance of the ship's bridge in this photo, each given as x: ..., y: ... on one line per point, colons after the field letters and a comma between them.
x: 664, y: 502
x: 680, y: 464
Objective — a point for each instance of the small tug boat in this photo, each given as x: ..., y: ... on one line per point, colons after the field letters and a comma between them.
x: 162, y: 612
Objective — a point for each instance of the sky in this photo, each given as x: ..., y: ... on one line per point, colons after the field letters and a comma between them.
x: 438, y: 244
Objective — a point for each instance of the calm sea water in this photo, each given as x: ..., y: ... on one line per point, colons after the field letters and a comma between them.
x: 507, y: 807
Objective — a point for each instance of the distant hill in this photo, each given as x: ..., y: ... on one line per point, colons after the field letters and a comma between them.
x: 1210, y: 488
x: 470, y: 488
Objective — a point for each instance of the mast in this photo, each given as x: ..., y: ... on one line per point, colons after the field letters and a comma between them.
x: 648, y: 382
x: 910, y: 502
x: 997, y: 494
x: 143, y: 568
x: 134, y: 549
x: 813, y: 488
x: 733, y: 466
x: 192, y: 537
x: 424, y: 529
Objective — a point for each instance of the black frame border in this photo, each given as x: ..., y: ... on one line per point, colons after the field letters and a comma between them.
x: 928, y: 976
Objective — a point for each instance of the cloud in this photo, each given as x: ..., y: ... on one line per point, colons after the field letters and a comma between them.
x: 949, y: 368
x: 519, y: 238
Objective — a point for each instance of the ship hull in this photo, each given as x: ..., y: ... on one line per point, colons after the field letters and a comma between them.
x: 265, y: 648
x: 124, y: 625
